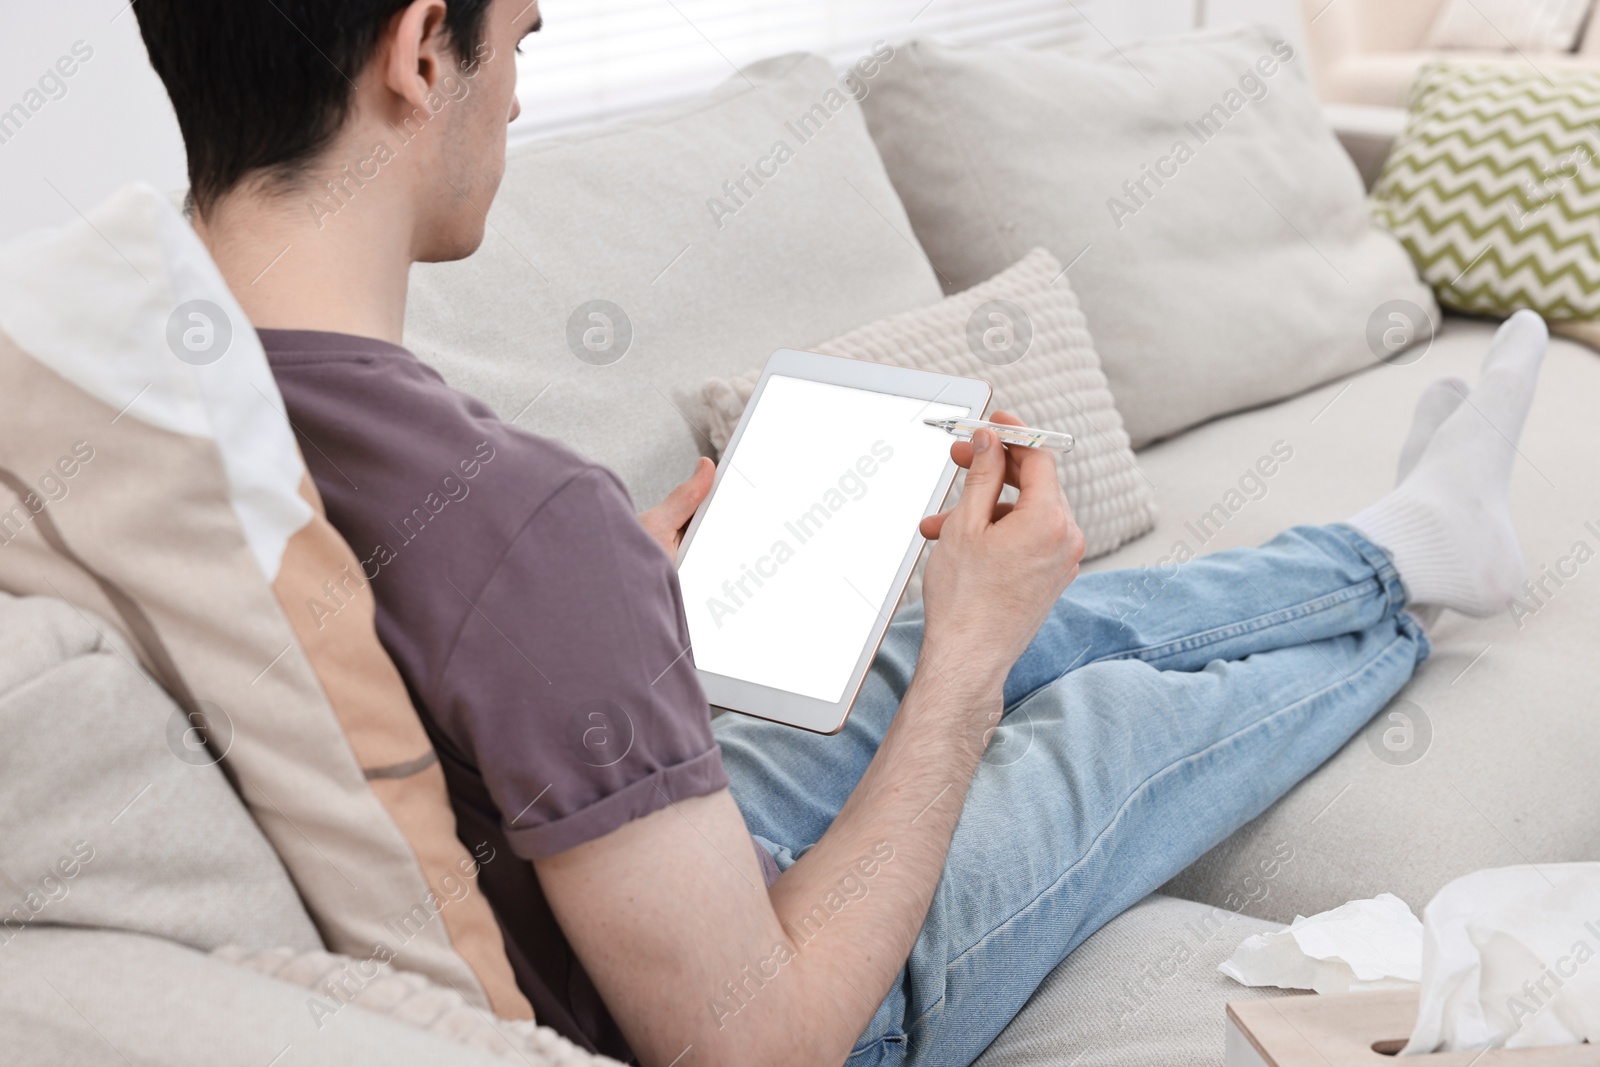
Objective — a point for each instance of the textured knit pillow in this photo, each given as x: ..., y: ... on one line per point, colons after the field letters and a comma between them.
x: 1493, y: 189
x: 1023, y: 332
x: 149, y: 476
x: 1507, y: 25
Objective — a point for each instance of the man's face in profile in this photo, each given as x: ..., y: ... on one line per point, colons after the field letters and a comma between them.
x: 471, y: 106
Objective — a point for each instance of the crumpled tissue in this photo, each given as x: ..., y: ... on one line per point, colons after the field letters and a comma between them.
x: 1511, y: 957
x: 1359, y: 946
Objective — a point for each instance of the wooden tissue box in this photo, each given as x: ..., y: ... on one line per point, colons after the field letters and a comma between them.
x: 1360, y: 1030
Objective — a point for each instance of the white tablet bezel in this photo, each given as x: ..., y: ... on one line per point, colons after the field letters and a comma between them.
x: 793, y: 709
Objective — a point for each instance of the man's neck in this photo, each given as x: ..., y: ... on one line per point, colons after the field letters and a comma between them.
x: 309, y: 261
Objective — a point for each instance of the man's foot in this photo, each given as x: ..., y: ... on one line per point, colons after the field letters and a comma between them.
x: 1448, y: 523
x: 1437, y: 403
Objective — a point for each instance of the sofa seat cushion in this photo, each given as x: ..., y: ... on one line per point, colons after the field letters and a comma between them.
x: 1503, y: 716
x: 1144, y: 990
x: 98, y: 998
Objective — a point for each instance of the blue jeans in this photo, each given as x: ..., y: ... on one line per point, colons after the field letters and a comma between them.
x: 1154, y: 714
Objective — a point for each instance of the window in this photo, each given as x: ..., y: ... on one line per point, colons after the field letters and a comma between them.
x: 598, y: 60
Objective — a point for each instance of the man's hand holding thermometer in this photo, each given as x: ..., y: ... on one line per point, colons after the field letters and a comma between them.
x: 1013, y: 435
x: 996, y: 567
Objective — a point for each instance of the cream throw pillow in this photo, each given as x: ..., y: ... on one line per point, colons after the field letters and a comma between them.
x: 1039, y: 357
x: 1218, y: 234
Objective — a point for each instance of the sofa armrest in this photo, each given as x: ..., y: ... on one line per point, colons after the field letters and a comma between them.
x: 1367, y: 133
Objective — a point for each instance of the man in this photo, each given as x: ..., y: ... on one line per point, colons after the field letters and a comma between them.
x: 644, y: 921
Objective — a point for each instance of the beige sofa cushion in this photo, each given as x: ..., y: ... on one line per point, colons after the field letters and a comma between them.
x: 1220, y: 243
x: 1143, y: 991
x: 98, y: 998
x: 1507, y: 775
x: 150, y: 477
x: 638, y: 215
x: 105, y: 825
x: 1046, y: 373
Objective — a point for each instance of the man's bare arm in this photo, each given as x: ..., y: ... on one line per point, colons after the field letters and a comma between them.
x: 698, y: 962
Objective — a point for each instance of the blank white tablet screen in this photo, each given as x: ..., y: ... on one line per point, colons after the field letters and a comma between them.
x: 793, y: 560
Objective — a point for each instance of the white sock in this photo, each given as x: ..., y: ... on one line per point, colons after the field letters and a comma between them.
x: 1437, y: 403
x: 1448, y: 523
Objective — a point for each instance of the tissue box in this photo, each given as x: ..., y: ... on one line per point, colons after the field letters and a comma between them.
x: 1359, y: 1030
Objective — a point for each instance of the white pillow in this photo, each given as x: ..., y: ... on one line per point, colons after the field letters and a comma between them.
x: 1509, y: 25
x: 1041, y: 361
x: 1247, y: 273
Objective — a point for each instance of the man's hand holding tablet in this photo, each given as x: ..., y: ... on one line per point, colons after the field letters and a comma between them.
x: 792, y: 569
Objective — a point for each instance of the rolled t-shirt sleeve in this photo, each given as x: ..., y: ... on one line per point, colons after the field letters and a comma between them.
x: 572, y: 682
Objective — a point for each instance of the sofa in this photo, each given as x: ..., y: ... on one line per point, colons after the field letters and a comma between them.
x: 1366, y: 52
x: 127, y: 961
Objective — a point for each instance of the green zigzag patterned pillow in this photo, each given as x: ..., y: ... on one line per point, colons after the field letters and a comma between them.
x: 1494, y: 188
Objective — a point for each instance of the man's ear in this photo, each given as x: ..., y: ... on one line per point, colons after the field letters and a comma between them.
x: 417, y: 52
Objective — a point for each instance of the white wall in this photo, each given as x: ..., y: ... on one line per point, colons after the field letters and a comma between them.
x: 113, y: 124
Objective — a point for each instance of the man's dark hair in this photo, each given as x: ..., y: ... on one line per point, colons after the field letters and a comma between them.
x: 264, y: 85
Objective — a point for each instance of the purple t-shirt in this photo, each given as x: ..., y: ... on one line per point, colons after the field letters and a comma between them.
x: 539, y: 628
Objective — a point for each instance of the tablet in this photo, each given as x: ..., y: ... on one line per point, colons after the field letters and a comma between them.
x: 794, y: 564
